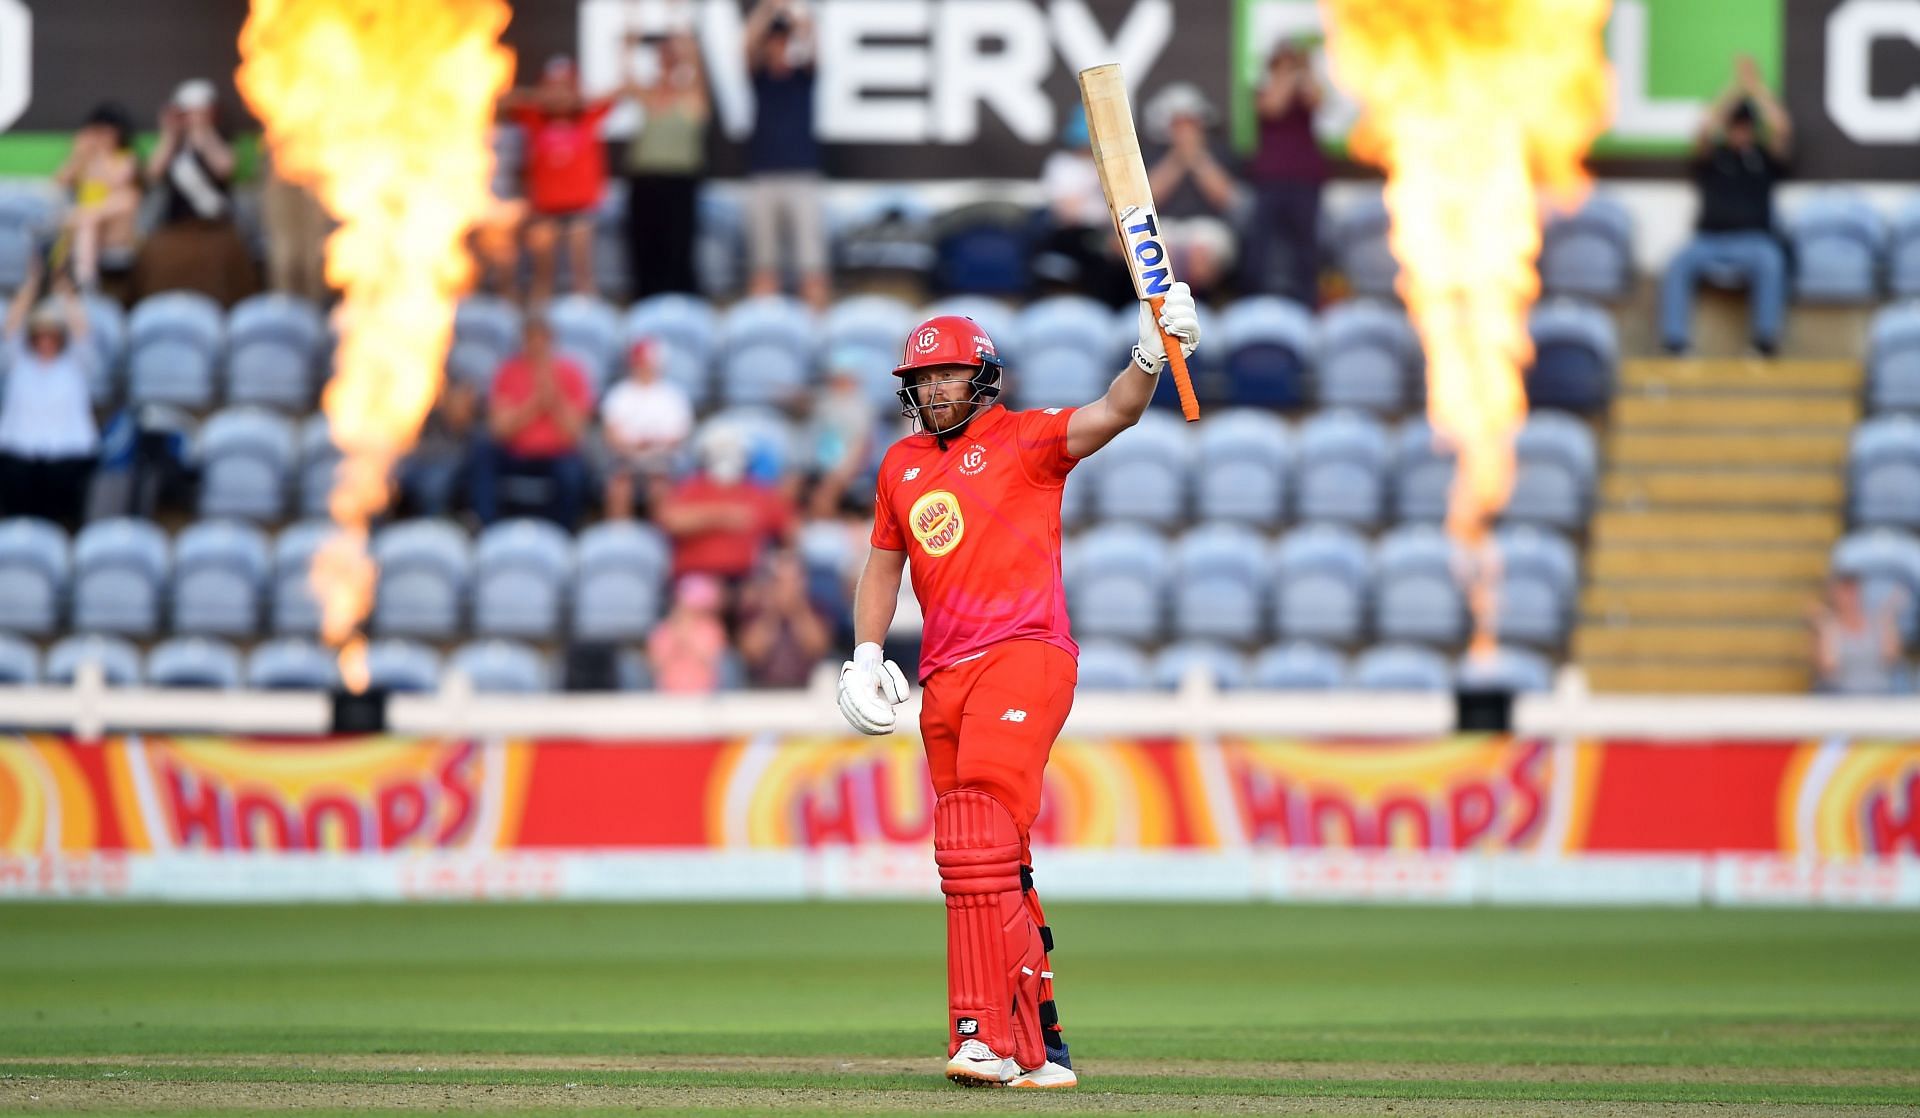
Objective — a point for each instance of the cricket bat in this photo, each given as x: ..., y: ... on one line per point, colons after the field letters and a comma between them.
x: 1123, y: 177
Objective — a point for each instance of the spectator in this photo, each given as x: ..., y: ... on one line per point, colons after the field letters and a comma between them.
x: 297, y: 227
x: 840, y: 435
x: 721, y: 522
x: 782, y: 636
x: 48, y: 441
x: 783, y: 155
x: 1201, y: 206
x: 496, y: 235
x: 430, y: 474
x: 196, y: 246
x: 687, y: 651
x: 1288, y: 171
x: 665, y: 162
x: 102, y: 176
x: 1857, y: 650
x: 1078, y: 251
x: 1735, y: 168
x: 644, y: 419
x: 539, y: 404
x: 566, y: 173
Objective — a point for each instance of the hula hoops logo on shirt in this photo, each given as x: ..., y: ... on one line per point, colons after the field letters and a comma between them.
x: 936, y: 522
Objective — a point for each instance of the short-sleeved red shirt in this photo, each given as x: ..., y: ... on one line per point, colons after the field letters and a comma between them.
x: 728, y: 552
x: 980, y: 523
x: 541, y: 437
x: 566, y: 159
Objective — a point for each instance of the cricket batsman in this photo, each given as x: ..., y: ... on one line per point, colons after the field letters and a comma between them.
x: 972, y: 501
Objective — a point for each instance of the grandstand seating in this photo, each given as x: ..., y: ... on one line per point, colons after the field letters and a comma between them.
x: 1838, y: 241
x: 274, y: 346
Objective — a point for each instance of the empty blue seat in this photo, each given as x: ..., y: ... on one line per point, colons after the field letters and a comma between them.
x: 1222, y: 665
x: 1539, y: 583
x: 402, y: 665
x: 1241, y: 465
x: 1142, y: 474
x: 199, y: 662
x: 1108, y: 665
x: 1575, y: 352
x: 983, y: 247
x: 107, y: 331
x: 1219, y: 583
x: 1893, y: 358
x: 19, y: 662
x: 1358, y: 236
x: 769, y: 343
x: 588, y: 330
x: 1518, y: 670
x: 274, y: 343
x: 520, y: 574
x: 1589, y: 252
x: 292, y: 664
x: 220, y: 569
x: 1116, y: 578
x: 1370, y: 357
x: 1076, y: 499
x: 26, y: 218
x: 118, y: 659
x: 1887, y: 563
x: 1320, y: 579
x: 35, y: 571
x: 1557, y: 465
x: 1884, y: 467
x: 175, y: 339
x: 294, y: 608
x: 1269, y: 348
x: 1837, y: 240
x: 1417, y: 587
x: 318, y: 459
x: 425, y: 566
x: 1067, y: 354
x: 1342, y: 472
x: 1422, y: 473
x: 502, y: 667
x: 1903, y: 250
x: 247, y: 459
x: 1402, y: 667
x: 120, y: 576
x: 867, y: 332
x: 621, y: 569
x: 1299, y: 666
x: 486, y: 331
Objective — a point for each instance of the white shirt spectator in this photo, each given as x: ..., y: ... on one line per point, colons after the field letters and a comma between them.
x: 1071, y: 183
x: 47, y: 411
x: 654, y: 413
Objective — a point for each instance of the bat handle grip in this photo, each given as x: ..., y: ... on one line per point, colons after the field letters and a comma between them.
x: 1177, y: 361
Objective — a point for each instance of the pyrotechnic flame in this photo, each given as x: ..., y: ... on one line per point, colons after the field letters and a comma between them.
x: 383, y: 107
x: 1475, y: 108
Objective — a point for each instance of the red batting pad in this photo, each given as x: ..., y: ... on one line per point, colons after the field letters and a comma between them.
x: 994, y: 954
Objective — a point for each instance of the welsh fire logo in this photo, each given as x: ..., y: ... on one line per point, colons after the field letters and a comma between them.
x: 936, y: 522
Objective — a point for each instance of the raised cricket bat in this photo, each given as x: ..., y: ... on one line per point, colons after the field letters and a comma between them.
x: 1123, y: 176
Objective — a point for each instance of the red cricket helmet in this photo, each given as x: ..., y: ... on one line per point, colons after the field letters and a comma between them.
x: 951, y: 340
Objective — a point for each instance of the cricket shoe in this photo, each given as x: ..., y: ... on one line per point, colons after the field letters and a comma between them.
x: 976, y: 1065
x: 1048, y: 1076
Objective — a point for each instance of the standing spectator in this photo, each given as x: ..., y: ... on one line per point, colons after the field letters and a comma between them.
x: 840, y: 435
x: 1201, y: 205
x: 1857, y: 650
x: 102, y: 177
x: 48, y: 441
x: 721, y: 522
x: 297, y: 227
x: 1288, y: 171
x: 644, y: 419
x: 430, y: 473
x: 783, y: 155
x: 1735, y: 168
x: 196, y: 246
x: 687, y: 651
x: 782, y: 636
x: 539, y: 404
x: 566, y: 173
x: 666, y: 160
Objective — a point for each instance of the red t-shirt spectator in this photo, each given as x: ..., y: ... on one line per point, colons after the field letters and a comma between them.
x: 566, y: 159
x: 541, y: 437
x: 728, y: 552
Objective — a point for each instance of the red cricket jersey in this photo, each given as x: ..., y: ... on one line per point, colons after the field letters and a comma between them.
x: 566, y: 159
x: 980, y: 522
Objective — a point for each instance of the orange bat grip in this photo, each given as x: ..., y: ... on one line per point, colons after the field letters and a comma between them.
x: 1182, y: 381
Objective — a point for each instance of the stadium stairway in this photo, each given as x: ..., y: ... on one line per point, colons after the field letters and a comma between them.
x: 1722, y: 494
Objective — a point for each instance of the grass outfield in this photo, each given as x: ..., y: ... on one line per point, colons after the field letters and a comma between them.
x: 713, y: 1009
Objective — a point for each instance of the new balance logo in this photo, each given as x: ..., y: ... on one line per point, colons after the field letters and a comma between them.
x: 1014, y: 716
x: 912, y: 472
x: 966, y: 1026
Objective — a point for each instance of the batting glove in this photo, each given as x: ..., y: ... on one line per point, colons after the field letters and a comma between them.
x: 1179, y: 317
x: 870, y: 687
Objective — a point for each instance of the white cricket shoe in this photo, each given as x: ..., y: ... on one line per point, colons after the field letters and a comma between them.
x: 976, y: 1065
x: 1048, y: 1076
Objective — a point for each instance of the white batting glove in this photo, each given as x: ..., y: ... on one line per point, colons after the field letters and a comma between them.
x: 870, y: 687
x: 1180, y: 318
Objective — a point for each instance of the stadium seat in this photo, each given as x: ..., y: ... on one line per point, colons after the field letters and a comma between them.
x: 425, y: 566
x: 1299, y: 666
x: 199, y: 662
x: 1893, y: 358
x: 686, y: 322
x: 119, y: 660
x: 1883, y: 464
x: 1837, y: 239
x: 274, y: 343
x: 1539, y: 584
x: 1269, y: 349
x: 1557, y: 467
x: 1001, y: 320
x: 486, y: 331
x: 1422, y: 473
x: 292, y: 664
x: 622, y: 568
x: 1142, y: 474
x: 1067, y: 356
x: 1887, y: 563
x: 1240, y: 470
x: 1418, y: 572
x: 26, y: 217
x: 1219, y: 663
x: 588, y: 330
x: 120, y: 575
x: 1370, y: 358
x: 246, y: 460
x: 867, y: 332
x: 1342, y: 472
x: 107, y: 330
x: 402, y: 665
x: 1575, y: 352
x: 19, y: 662
x: 720, y: 241
x: 1116, y: 578
x: 293, y: 605
x: 174, y: 347
x: 1903, y: 251
x: 1320, y: 579
x: 1358, y: 237
x: 318, y: 457
x: 983, y: 248
x: 36, y: 568
x: 219, y: 571
x: 1109, y: 665
x: 1219, y: 583
x: 502, y: 667
x: 768, y: 344
x: 1518, y: 670
x: 1401, y: 667
x: 1076, y: 499
x: 1589, y: 252
x: 520, y: 573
